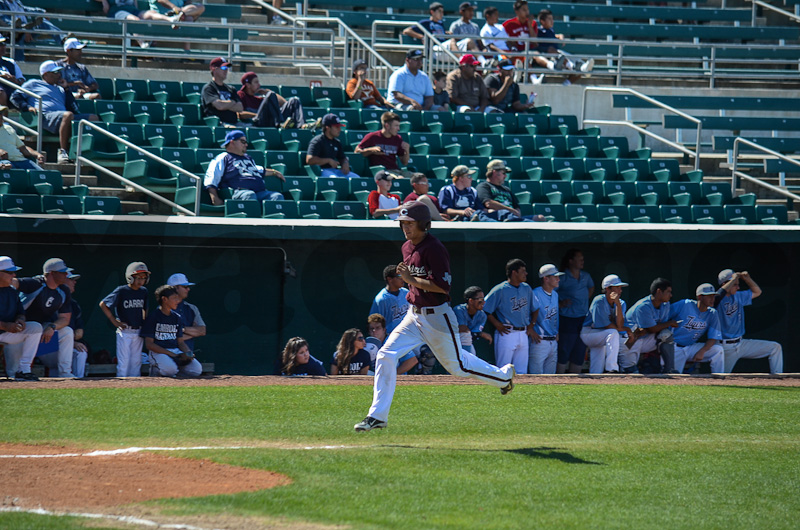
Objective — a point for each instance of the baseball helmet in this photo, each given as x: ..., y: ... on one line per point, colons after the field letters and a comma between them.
x: 136, y: 267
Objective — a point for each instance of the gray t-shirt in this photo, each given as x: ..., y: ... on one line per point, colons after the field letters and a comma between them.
x: 459, y: 27
x: 494, y: 82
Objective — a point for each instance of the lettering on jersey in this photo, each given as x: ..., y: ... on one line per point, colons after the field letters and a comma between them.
x: 447, y: 278
x: 731, y: 308
x: 49, y: 301
x: 246, y: 167
x: 133, y: 304
x: 166, y: 331
x: 419, y: 272
x: 551, y: 313
x: 694, y: 324
x: 518, y: 304
x: 399, y: 311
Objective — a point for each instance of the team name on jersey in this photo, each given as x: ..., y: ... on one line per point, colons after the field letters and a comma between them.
x: 133, y: 304
x: 551, y: 313
x: 518, y: 304
x: 694, y: 323
x: 418, y: 271
x: 166, y: 331
x: 399, y: 311
x: 730, y: 309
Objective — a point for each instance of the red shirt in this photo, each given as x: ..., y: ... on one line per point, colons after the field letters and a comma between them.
x: 430, y: 260
x: 515, y: 28
x: 392, y: 148
x: 374, y: 201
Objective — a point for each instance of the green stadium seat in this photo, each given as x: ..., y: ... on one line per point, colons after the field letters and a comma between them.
x: 619, y: 193
x: 569, y: 168
x: 640, y: 213
x: 519, y: 144
x: 370, y: 119
x: 740, y: 214
x: 601, y: 169
x: 633, y: 169
x: 358, y: 165
x: 435, y: 185
x: 664, y: 170
x: 315, y: 210
x: 105, y: 87
x: 303, y: 93
x: 85, y: 106
x: 130, y: 89
x: 353, y: 138
x: 565, y: 125
x: 490, y: 145
x: 264, y: 138
x: 197, y: 137
x: 525, y: 190
x: 652, y: 193
x: 533, y: 123
x: 311, y: 114
x: 360, y: 189
x: 437, y: 121
x: 191, y: 92
x: 296, y: 140
x: 614, y: 146
x: 772, y: 215
x: 332, y: 188
x: 164, y: 91
x: 349, y: 116
x: 280, y: 210
x: 611, y: 213
x: 717, y: 194
x: 299, y: 188
x: 514, y: 165
x: 182, y: 114
x: 554, y: 192
x: 551, y: 212
x: 410, y: 120
x: 587, y: 191
x: 160, y: 135
x: 440, y: 166
x: 469, y: 122
x: 144, y: 112
x: 62, y: 204
x: 95, y: 205
x: 113, y: 111
x: 501, y: 123
x: 21, y: 203
x: 581, y: 213
x: 401, y: 187
x: 287, y: 162
x: 746, y: 199
x: 14, y: 181
x: 456, y: 144
x: 329, y: 97
x: 349, y: 210
x: 45, y: 182
x: 478, y: 163
x: 676, y: 214
x: 180, y: 156
x: 583, y: 146
x: 685, y: 193
x: 425, y: 143
x: 237, y: 208
x: 131, y: 132
x: 537, y: 168
x: 707, y: 214
x: 551, y: 145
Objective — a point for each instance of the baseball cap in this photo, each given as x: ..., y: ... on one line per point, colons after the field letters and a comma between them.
x: 435, y: 5
x: 359, y: 62
x: 178, y: 278
x: 414, y: 54
x: 549, y: 270
x: 329, y: 120
x: 704, y: 289
x: 612, y: 280
x: 72, y: 275
x: 248, y: 76
x: 415, y: 211
x: 497, y: 165
x: 468, y: 59
x: 461, y: 170
x: 73, y: 44
x: 3, y: 40
x: 383, y: 175
x: 3, y: 108
x: 725, y: 276
x: 49, y: 66
x: 465, y: 5
x: 231, y: 136
x: 219, y: 62
x: 505, y: 64
x: 55, y: 265
x: 7, y: 264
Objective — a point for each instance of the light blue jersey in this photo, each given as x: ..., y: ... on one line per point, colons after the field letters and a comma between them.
x: 576, y: 290
x: 474, y: 323
x: 601, y: 313
x: 644, y: 314
x: 547, y: 319
x: 694, y: 323
x: 511, y: 305
x: 393, y: 307
x: 730, y: 312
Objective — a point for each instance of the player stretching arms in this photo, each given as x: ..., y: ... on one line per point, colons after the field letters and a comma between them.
x: 426, y: 270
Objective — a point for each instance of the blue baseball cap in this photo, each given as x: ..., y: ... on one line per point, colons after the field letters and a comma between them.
x: 232, y: 136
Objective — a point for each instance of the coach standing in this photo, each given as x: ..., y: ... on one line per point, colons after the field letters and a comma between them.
x: 19, y: 337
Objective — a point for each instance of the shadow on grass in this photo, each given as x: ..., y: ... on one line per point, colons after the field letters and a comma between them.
x: 547, y: 453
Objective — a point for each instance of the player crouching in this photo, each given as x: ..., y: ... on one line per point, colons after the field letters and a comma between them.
x: 163, y: 337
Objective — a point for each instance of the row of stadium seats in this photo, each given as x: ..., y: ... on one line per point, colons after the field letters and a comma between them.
x: 46, y: 182
x: 60, y: 204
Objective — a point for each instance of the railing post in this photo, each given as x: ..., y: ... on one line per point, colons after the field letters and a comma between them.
x: 735, y: 166
x: 197, y: 196
x: 79, y: 153
x: 39, y: 126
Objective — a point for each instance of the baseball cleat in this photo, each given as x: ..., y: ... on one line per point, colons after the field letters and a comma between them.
x: 369, y: 423
x: 25, y: 376
x: 510, y: 386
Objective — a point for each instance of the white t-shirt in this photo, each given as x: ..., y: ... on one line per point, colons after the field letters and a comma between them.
x: 495, y: 31
x: 385, y: 203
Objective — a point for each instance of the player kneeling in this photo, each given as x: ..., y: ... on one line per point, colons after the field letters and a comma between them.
x: 163, y: 337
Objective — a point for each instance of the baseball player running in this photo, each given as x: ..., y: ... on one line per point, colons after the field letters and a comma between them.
x: 730, y: 303
x: 651, y: 329
x: 695, y: 319
x: 605, y: 326
x: 508, y: 308
x: 126, y: 307
x: 544, y: 340
x: 426, y: 270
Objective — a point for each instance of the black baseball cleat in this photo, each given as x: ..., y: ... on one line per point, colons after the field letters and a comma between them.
x: 510, y: 386
x: 23, y: 376
x: 369, y: 423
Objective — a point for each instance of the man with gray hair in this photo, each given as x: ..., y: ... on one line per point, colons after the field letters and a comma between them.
x: 193, y: 324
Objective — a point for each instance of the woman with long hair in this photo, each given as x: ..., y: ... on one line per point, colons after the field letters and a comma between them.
x: 351, y: 358
x: 297, y: 360
x: 574, y: 292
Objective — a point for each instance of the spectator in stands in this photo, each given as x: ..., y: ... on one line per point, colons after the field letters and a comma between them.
x: 377, y: 336
x: 493, y: 35
x: 459, y: 199
x: 10, y: 71
x: 420, y: 185
x: 80, y: 351
x: 277, y: 19
x: 384, y: 147
x: 471, y: 318
x: 326, y: 151
x: 380, y: 201
x: 187, y: 10
x: 35, y: 21
x: 20, y: 338
x: 76, y: 76
x: 236, y: 170
x: 58, y: 105
x: 497, y: 200
x: 350, y: 357
x: 467, y: 89
x: 522, y: 26
x: 564, y: 61
x: 128, y: 10
x: 464, y: 25
x: 409, y: 87
x: 13, y: 152
x: 163, y: 338
x: 434, y: 26
x: 441, y: 99
x: 361, y: 88
x: 504, y: 92
x: 193, y: 324
x: 574, y: 292
x: 391, y: 301
x: 219, y: 99
x: 296, y: 359
x: 267, y: 108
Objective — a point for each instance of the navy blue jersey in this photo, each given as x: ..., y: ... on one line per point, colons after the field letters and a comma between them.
x: 128, y: 304
x: 357, y: 363
x: 10, y: 304
x: 164, y: 329
x: 190, y: 317
x: 76, y: 319
x: 312, y: 367
x: 43, y: 304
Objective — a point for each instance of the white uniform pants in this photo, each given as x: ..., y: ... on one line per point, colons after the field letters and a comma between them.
x: 512, y: 348
x: 129, y: 353
x: 163, y: 365
x: 79, y: 363
x: 715, y: 355
x: 754, y: 349
x: 543, y: 357
x: 603, y: 349
x: 20, y: 348
x: 62, y: 359
x: 439, y: 330
x: 630, y: 356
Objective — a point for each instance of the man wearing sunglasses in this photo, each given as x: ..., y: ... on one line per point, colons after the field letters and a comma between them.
x: 219, y: 99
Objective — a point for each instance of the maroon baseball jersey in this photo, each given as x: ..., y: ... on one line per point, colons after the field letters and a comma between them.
x: 392, y: 148
x: 430, y: 260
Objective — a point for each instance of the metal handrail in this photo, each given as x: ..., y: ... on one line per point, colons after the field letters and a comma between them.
x: 273, y: 9
x: 736, y: 173
x: 429, y: 40
x: 652, y: 101
x: 783, y: 12
x: 38, y: 113
x: 80, y: 159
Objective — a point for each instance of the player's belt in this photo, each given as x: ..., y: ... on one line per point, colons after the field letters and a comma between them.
x: 548, y: 338
x: 731, y: 341
x: 429, y: 310
x: 513, y: 328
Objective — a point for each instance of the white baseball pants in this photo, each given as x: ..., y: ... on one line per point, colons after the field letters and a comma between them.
x: 630, y: 356
x: 543, y: 357
x: 512, y: 348
x: 62, y: 359
x: 79, y: 363
x: 438, y: 328
x: 753, y: 349
x: 129, y: 353
x: 603, y: 349
x: 163, y: 365
x: 715, y: 355
x: 20, y: 348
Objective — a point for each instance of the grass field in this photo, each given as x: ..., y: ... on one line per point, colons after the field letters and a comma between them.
x: 460, y: 456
